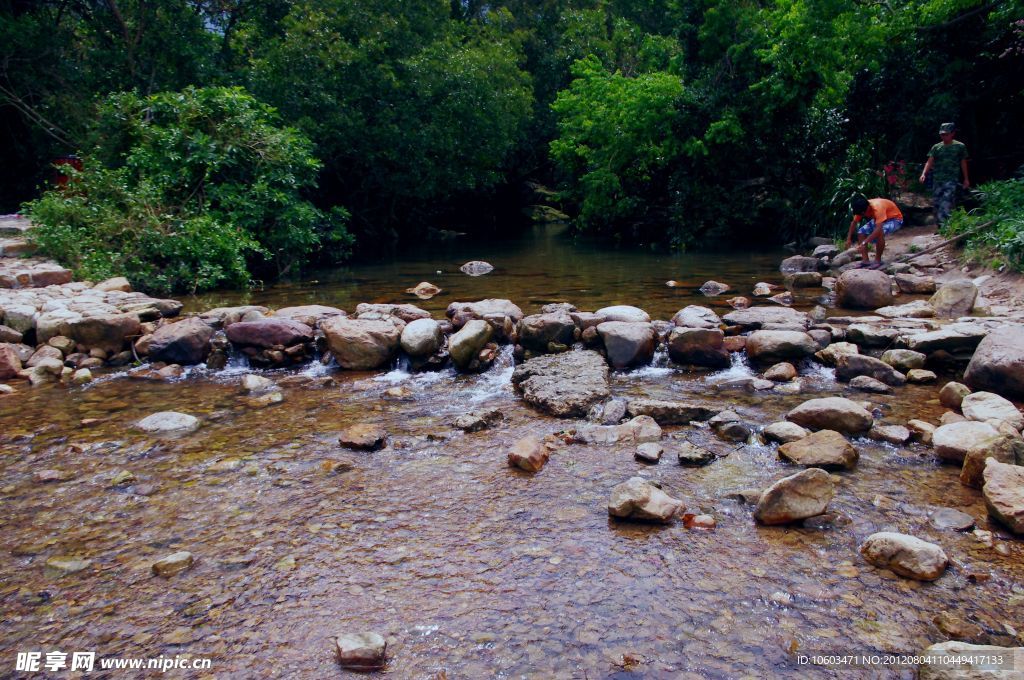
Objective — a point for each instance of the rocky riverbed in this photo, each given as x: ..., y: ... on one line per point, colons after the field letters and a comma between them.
x: 561, y: 493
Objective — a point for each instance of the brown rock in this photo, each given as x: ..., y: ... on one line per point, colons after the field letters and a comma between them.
x: 528, y: 454
x: 826, y: 449
x: 364, y: 436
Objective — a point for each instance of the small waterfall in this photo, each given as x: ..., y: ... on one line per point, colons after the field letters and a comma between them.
x: 739, y: 369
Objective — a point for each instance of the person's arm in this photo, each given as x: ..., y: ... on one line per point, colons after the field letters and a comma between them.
x: 963, y: 169
x: 927, y: 168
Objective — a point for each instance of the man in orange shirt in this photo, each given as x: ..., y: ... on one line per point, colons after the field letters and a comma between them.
x: 881, y: 218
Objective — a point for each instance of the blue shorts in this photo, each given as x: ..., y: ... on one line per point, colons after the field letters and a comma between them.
x: 890, y: 226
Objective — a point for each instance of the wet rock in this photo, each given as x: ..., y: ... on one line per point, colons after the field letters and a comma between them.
x: 953, y: 338
x: 953, y: 441
x: 952, y: 394
x: 803, y: 280
x: 919, y: 376
x: 998, y: 363
x: 796, y: 497
x: 785, y: 299
x: 690, y: 454
x: 479, y: 420
x: 257, y: 384
x: 465, y: 345
x: 921, y: 431
x: 82, y: 376
x: 954, y: 627
x: 364, y: 436
x: 904, y: 359
x: 538, y: 331
x: 670, y: 412
x: 649, y: 452
x: 774, y: 346
x: 10, y: 363
x: 563, y: 385
x: 310, y: 315
x: 698, y: 346
x: 745, y: 496
x: 627, y: 343
x: 830, y: 355
x: 735, y: 343
x: 891, y: 434
x: 829, y: 520
x: 738, y: 302
x: 638, y: 499
x: 849, y: 366
x: 424, y: 290
x: 711, y: 288
x: 905, y: 555
x: 168, y: 422
x: 915, y: 285
x: 762, y: 289
x: 784, y: 432
x: 173, y: 564
x: 695, y: 316
x: 963, y: 661
x: 1004, y: 494
x: 781, y: 372
x: 985, y: 406
x: 832, y: 413
x: 691, y: 521
x: 954, y: 299
x: 62, y: 565
x: 528, y: 454
x: 863, y: 289
x: 625, y: 313
x: 825, y: 250
x: 1005, y: 449
x: 730, y: 427
x: 361, y: 651
x: 185, y: 342
x: 639, y: 430
x: 608, y: 413
x: 361, y: 344
x: 863, y: 383
x: 268, y: 333
x: 918, y: 309
x: 799, y: 263
x: 461, y: 312
x: 949, y: 518
x: 107, y: 331
x: 948, y: 418
x: 421, y: 337
x: 824, y: 449
x: 769, y: 318
x: 395, y: 313
x: 476, y: 268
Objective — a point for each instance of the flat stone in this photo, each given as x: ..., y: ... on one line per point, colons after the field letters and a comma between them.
x: 784, y: 432
x: 832, y: 413
x: 892, y: 434
x: 670, y: 412
x: 953, y: 338
x: 830, y: 355
x: 986, y: 406
x: 863, y: 383
x: 953, y: 441
x: 364, y: 436
x: 918, y: 309
x: 949, y: 518
x: 62, y: 565
x: 361, y: 651
x: 920, y: 376
x: 905, y: 555
x: 563, y: 385
x: 824, y: 449
x: 755, y: 318
x: 625, y: 313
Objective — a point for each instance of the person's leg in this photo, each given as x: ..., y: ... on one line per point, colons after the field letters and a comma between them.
x: 862, y: 239
x: 879, y: 247
x: 945, y: 199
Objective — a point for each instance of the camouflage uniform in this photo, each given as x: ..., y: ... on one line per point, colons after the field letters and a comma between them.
x: 946, y: 179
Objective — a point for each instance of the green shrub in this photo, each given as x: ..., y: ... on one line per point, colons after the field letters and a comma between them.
x: 1002, y: 242
x: 188, y: 191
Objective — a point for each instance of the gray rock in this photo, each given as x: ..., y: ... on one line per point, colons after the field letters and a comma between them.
x: 892, y: 434
x: 998, y: 363
x: 185, y: 342
x: 382, y: 311
x: 625, y: 313
x: 537, y: 332
x: 670, y: 412
x: 918, y: 309
x: 310, y: 315
x: 461, y: 312
x: 693, y: 455
x: 774, y: 346
x: 952, y: 394
x: 695, y: 316
x: 712, y: 288
x: 465, y: 345
x: 168, y: 422
x: 905, y: 555
x: 904, y: 359
x: 649, y: 452
x: 919, y: 376
x: 784, y: 432
x: 863, y: 383
x: 954, y: 299
x: 799, y: 263
x: 830, y: 355
x: 627, y: 343
x: 953, y: 338
x: 949, y: 518
x: 564, y: 385
x: 963, y: 661
x: 421, y: 337
x: 698, y: 346
x: 986, y: 406
x: 915, y: 285
x: 608, y: 413
x: 476, y: 268
x: 954, y: 440
x: 849, y: 366
x: 755, y: 318
x: 479, y: 420
x: 863, y: 289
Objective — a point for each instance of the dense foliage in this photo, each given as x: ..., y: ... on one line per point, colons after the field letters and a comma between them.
x: 187, y: 190
x: 999, y: 223
x: 685, y: 122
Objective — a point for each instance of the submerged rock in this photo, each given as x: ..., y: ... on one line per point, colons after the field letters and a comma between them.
x: 361, y: 651
x: 956, y: 660
x: 693, y: 455
x: 173, y: 564
x: 949, y: 518
x: 638, y: 499
x: 794, y: 498
x: 168, y: 422
x: 424, y: 290
x: 563, y: 385
x: 826, y: 449
x: 905, y: 555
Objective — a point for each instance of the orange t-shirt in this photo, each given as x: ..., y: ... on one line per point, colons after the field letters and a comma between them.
x: 880, y: 210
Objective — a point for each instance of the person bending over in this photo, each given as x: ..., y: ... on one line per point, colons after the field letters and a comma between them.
x: 881, y: 218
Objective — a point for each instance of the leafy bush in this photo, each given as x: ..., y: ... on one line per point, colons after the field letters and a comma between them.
x: 187, y: 191
x: 1003, y: 241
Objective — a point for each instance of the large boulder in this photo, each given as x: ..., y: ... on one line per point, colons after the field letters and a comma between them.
x: 269, y: 332
x: 849, y: 366
x: 626, y: 313
x: 698, y: 346
x: 826, y: 449
x: 670, y: 412
x: 985, y: 406
x: 998, y: 363
x: 832, y: 413
x: 461, y: 312
x: 538, y: 332
x: 952, y: 441
x: 905, y: 555
x: 361, y: 344
x: 863, y: 289
x: 954, y: 299
x: 769, y: 347
x: 799, y: 263
x: 1004, y: 494
x: 465, y: 345
x: 628, y: 343
x: 776, y: 318
x: 791, y: 499
x: 564, y: 385
x: 108, y: 332
x: 10, y: 362
x: 311, y: 315
x: 1005, y: 449
x: 638, y: 499
x: 185, y: 342
x: 695, y: 316
x: 421, y: 337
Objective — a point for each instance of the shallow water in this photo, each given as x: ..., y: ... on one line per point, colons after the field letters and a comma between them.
x: 471, y: 569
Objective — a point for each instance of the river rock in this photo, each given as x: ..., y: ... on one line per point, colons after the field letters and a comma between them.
x: 268, y: 333
x: 791, y: 499
x: 949, y: 518
x: 863, y: 289
x: 986, y: 406
x: 628, y: 343
x: 639, y: 430
x: 421, y: 337
x: 538, y: 332
x: 864, y: 383
x: 955, y: 660
x: 257, y: 384
x: 771, y: 318
x: 799, y: 263
x: 920, y: 376
x: 904, y: 359
x: 905, y: 555
x: 826, y: 449
x: 695, y: 316
x: 954, y: 299
x: 711, y: 288
x: 1004, y: 493
x: 953, y: 338
x: 626, y: 313
x: 118, y: 283
x: 107, y: 331
x: 476, y: 268
x: 998, y: 363
x: 424, y: 290
x: 461, y: 312
x: 465, y: 345
x: 361, y: 651
x: 361, y: 344
x: 9, y: 335
x: 803, y: 280
x: 383, y: 311
x: 918, y: 309
x: 479, y: 420
x: 82, y: 376
x: 774, y: 346
x: 364, y: 437
x: 62, y: 565
x: 738, y: 302
x: 649, y: 452
x: 952, y: 442
x: 185, y: 342
x: 638, y: 499
x: 871, y: 335
x: 564, y: 385
x: 45, y: 352
x: 528, y: 454
x: 168, y: 422
x: 952, y: 394
x: 762, y: 289
x: 784, y: 432
x: 830, y: 355
x: 692, y: 455
x: 173, y: 564
x: 832, y: 413
x: 825, y: 250
x: 891, y: 434
x: 310, y: 315
x: 849, y: 366
x: 921, y: 431
x: 670, y: 412
x: 1005, y: 449
x: 698, y: 346
x: 608, y: 413
x: 781, y: 372
x: 915, y: 285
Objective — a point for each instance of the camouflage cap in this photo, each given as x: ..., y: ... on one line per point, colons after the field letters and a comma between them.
x: 947, y: 127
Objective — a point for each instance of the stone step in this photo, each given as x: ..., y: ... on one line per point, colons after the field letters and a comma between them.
x: 14, y: 225
x: 31, y: 273
x: 15, y: 247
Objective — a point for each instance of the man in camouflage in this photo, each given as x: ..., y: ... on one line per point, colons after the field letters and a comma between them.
x: 947, y: 160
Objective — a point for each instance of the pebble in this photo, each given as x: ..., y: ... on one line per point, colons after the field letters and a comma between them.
x: 649, y: 452
x: 173, y: 564
x: 361, y: 651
